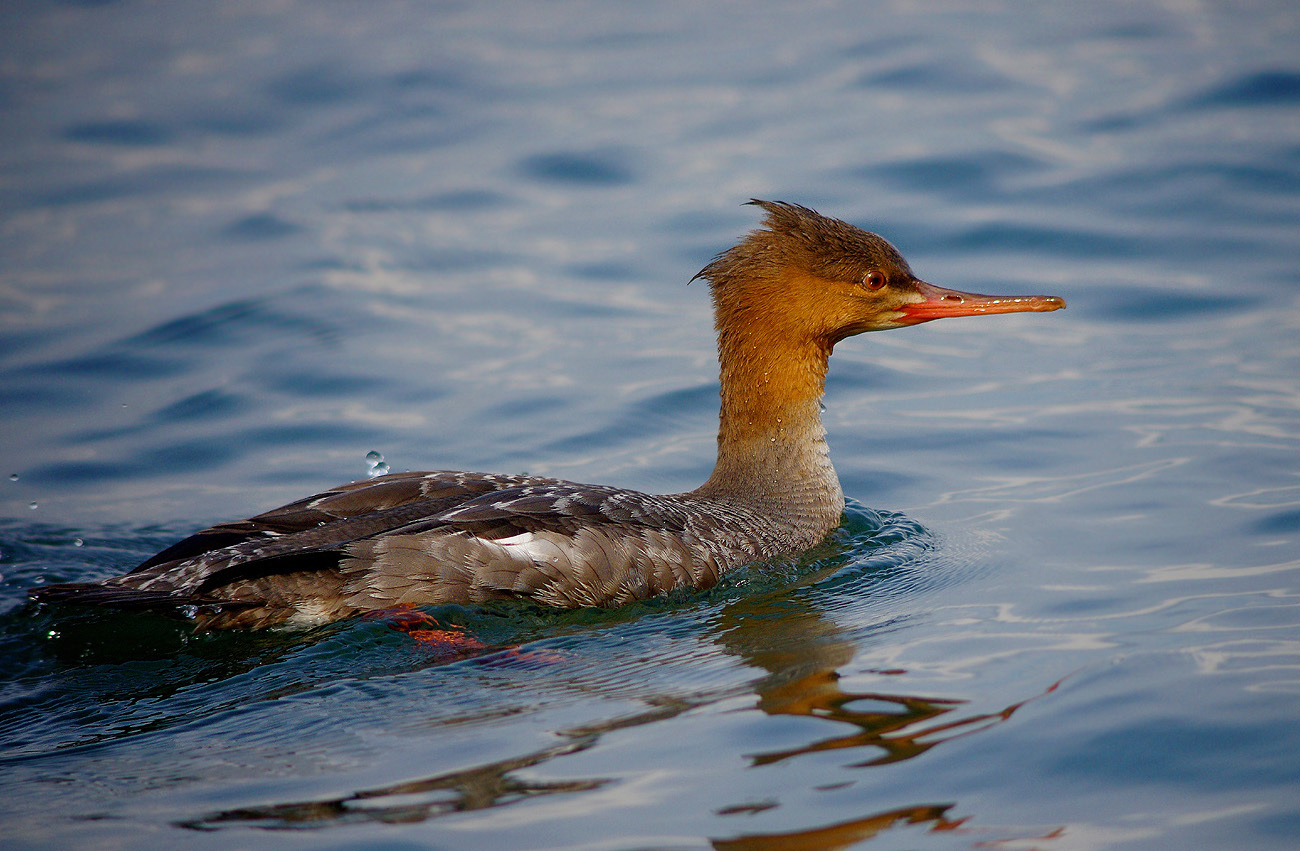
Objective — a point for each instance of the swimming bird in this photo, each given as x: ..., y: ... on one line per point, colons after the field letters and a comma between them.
x: 783, y: 297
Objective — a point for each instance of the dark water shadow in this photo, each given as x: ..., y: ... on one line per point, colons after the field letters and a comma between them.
x: 580, y: 168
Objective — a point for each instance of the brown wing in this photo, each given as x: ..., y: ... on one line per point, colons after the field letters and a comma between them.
x: 340, y: 515
x: 559, y: 543
x: 290, y: 551
x: 429, y: 538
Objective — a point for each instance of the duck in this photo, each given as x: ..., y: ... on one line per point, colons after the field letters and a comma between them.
x: 783, y: 297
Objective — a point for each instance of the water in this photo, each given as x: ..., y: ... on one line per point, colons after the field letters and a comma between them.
x: 244, y: 245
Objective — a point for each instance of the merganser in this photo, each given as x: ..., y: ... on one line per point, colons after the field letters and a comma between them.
x: 783, y: 297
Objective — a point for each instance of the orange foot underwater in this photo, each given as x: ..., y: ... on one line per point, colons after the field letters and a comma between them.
x: 453, y: 641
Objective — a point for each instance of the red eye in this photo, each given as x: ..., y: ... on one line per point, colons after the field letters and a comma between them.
x: 874, y: 280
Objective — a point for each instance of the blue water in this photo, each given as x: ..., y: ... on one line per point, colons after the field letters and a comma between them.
x: 242, y: 245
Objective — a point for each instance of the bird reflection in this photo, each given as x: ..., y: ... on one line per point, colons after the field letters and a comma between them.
x: 842, y: 834
x: 802, y: 651
x: 492, y: 785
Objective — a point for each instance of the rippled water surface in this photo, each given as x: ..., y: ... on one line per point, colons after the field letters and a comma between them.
x: 242, y: 245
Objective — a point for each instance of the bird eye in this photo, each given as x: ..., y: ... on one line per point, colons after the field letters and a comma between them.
x: 874, y: 280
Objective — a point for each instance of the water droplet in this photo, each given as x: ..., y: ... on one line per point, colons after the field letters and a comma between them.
x: 13, y: 477
x: 377, y: 465
x: 77, y: 542
x: 190, y: 612
x: 33, y: 506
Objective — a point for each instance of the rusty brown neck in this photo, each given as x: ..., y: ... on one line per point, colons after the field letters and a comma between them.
x: 772, y: 449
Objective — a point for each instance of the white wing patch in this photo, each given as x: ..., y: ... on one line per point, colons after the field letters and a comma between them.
x: 531, y: 545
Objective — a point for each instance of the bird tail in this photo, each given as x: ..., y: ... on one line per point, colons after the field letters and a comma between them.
x: 124, y: 598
